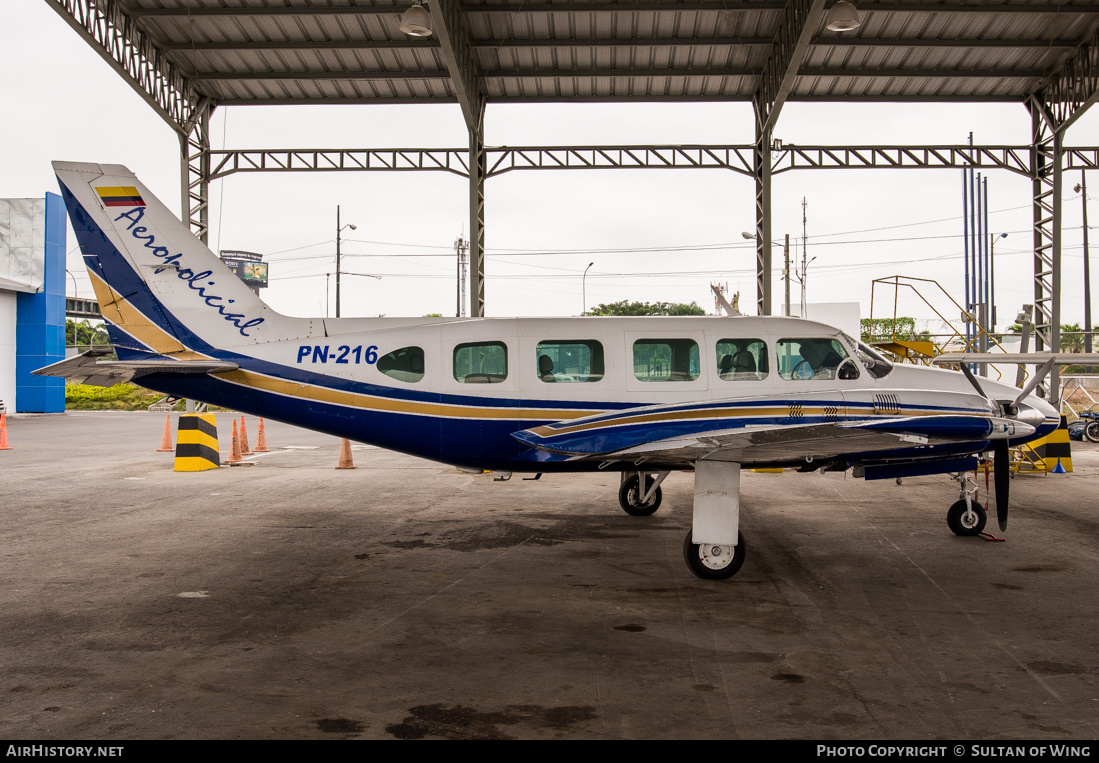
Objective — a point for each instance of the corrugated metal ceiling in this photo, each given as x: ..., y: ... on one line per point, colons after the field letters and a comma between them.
x: 277, y: 51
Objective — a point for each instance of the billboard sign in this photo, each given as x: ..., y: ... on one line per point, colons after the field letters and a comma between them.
x: 248, y: 266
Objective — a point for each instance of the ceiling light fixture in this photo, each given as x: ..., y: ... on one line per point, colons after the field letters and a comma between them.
x: 842, y: 17
x: 416, y: 21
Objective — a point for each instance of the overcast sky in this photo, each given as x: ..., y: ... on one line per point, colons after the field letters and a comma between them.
x: 654, y: 235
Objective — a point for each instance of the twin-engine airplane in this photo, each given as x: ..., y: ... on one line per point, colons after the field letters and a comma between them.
x: 640, y: 396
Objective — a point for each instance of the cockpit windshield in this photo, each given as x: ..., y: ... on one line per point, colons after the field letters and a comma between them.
x: 875, y: 363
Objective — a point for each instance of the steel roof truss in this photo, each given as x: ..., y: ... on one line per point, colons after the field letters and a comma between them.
x: 446, y: 15
x: 614, y: 42
x: 1013, y: 158
x: 1075, y: 87
x: 112, y: 32
x: 738, y: 159
x: 800, y: 21
x: 228, y: 162
x: 641, y: 6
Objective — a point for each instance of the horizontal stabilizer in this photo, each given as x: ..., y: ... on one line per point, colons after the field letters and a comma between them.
x: 88, y: 368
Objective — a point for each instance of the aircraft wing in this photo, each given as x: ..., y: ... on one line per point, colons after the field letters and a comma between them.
x: 1036, y: 358
x: 87, y: 368
x: 683, y: 434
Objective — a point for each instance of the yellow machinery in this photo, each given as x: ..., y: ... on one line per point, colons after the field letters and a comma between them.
x: 1041, y: 456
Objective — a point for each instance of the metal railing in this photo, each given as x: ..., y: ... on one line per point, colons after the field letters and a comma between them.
x: 956, y: 340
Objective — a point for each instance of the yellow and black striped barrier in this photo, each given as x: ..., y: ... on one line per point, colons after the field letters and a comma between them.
x: 1054, y: 449
x: 197, y: 443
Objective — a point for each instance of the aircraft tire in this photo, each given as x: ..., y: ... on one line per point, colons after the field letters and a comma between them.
x: 1091, y: 431
x: 708, y: 565
x: 955, y: 517
x: 629, y: 497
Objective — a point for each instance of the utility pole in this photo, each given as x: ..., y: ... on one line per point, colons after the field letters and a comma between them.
x: 1082, y: 188
x: 804, y: 255
x: 339, y: 229
x: 461, y: 247
x: 786, y: 271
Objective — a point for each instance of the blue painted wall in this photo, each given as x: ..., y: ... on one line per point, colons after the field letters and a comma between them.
x: 40, y: 324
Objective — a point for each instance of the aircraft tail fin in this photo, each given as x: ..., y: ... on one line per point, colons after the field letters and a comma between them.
x: 161, y: 289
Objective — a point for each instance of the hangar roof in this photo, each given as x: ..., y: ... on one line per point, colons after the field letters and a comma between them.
x: 352, y: 51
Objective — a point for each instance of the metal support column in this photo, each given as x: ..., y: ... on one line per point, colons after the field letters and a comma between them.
x: 761, y: 170
x: 477, y: 171
x: 194, y: 144
x: 1046, y: 161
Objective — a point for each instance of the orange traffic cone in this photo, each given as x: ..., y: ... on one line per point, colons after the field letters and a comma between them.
x: 166, y: 441
x: 4, y: 432
x: 244, y: 449
x: 345, y: 455
x: 234, y: 455
x: 262, y: 446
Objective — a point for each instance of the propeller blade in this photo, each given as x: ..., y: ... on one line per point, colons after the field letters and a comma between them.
x: 1001, y: 468
x: 973, y: 380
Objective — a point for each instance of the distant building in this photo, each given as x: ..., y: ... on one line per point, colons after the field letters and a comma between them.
x: 32, y: 302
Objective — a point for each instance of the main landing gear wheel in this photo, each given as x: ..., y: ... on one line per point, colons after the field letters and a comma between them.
x: 629, y: 497
x: 712, y: 562
x: 963, y: 523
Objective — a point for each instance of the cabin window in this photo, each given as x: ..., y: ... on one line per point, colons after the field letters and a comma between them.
x: 481, y: 362
x: 570, y: 360
x: 742, y: 359
x: 405, y: 364
x: 803, y: 359
x: 663, y: 360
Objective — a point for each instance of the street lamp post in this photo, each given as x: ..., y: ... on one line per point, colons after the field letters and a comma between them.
x: 339, y: 230
x: 992, y: 279
x: 802, y: 278
x: 584, y: 290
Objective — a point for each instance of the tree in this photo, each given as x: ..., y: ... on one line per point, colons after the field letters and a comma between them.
x: 645, y: 308
x: 881, y: 329
x: 1072, y: 340
x: 84, y: 333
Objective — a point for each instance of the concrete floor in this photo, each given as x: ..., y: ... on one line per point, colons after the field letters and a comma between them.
x: 404, y: 599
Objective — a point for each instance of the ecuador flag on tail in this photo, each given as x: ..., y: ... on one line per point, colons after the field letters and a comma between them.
x: 120, y: 196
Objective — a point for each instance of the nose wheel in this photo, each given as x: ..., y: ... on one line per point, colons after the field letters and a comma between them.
x: 710, y: 561
x: 966, y: 520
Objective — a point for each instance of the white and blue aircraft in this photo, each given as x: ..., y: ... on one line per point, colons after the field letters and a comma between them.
x: 639, y: 396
